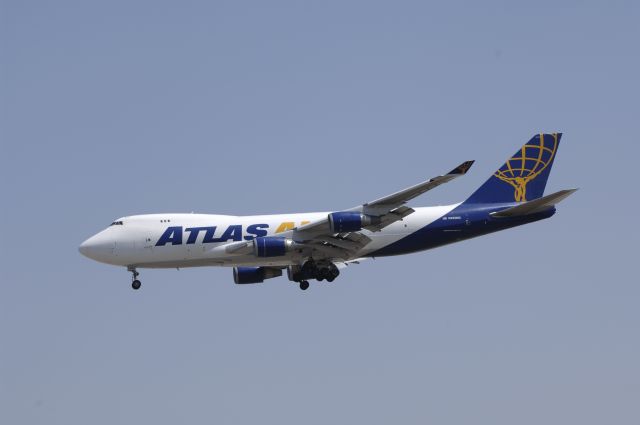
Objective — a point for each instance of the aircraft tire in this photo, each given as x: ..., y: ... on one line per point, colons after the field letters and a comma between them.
x: 304, y: 285
x: 136, y: 284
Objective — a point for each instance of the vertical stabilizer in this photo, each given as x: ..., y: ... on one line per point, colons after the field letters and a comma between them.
x: 524, y: 176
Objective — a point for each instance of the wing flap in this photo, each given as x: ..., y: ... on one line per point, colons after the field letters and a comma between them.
x: 352, y: 241
x: 391, y: 217
x: 315, y: 226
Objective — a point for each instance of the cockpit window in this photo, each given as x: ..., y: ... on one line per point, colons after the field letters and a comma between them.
x: 117, y: 223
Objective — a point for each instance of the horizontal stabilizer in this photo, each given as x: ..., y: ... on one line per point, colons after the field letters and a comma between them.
x: 532, y: 207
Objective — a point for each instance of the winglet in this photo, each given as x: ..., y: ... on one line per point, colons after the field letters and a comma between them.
x: 462, y: 168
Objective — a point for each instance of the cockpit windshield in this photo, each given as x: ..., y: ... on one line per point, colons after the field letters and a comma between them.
x: 117, y: 223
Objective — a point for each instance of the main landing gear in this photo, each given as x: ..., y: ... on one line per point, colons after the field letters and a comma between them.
x: 136, y: 284
x: 321, y: 270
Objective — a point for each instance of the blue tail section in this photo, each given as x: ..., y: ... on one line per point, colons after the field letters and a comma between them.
x: 524, y: 176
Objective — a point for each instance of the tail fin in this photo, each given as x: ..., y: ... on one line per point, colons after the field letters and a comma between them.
x: 524, y: 176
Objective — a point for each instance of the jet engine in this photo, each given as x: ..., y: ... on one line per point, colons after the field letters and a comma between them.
x: 242, y: 275
x: 350, y: 221
x: 272, y: 246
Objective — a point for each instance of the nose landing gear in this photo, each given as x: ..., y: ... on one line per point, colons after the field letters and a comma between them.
x: 136, y: 284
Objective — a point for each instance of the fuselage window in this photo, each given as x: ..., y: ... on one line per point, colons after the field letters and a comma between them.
x: 117, y: 223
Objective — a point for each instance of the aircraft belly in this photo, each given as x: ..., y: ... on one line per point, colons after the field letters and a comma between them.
x: 228, y: 262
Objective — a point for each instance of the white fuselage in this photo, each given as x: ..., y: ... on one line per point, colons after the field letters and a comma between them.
x: 189, y: 240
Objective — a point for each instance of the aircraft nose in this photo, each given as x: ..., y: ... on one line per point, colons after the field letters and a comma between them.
x: 98, y: 247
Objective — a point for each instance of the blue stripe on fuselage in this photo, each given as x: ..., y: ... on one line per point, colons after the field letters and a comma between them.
x: 464, y: 222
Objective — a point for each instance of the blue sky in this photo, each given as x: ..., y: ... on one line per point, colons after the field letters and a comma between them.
x: 117, y: 108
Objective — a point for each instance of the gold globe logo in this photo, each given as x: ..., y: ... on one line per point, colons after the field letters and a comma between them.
x: 527, y: 164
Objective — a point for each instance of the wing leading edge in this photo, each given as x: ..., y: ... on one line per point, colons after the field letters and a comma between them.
x: 389, y: 202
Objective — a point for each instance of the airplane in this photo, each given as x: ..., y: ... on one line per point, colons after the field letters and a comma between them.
x: 315, y: 246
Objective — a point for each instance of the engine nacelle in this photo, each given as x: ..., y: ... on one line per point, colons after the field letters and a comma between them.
x: 244, y: 275
x: 350, y: 221
x: 271, y: 246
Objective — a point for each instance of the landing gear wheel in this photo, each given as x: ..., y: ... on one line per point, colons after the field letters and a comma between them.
x: 304, y: 285
x: 136, y: 284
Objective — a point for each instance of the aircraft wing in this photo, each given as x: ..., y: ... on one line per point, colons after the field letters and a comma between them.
x: 324, y: 236
x: 336, y: 237
x: 389, y: 202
